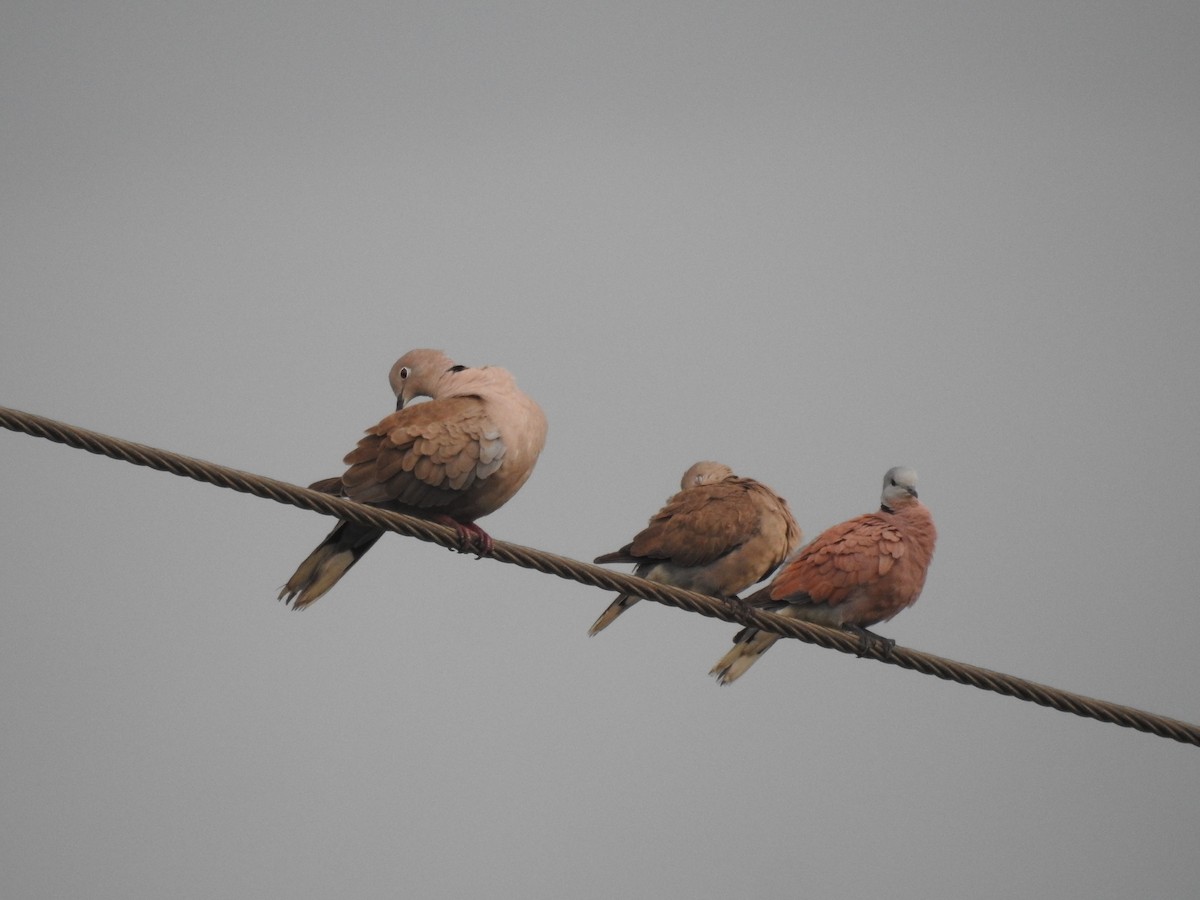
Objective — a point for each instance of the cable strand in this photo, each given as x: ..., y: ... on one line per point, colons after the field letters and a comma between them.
x: 605, y: 579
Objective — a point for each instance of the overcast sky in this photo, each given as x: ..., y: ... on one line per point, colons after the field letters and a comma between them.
x: 811, y: 241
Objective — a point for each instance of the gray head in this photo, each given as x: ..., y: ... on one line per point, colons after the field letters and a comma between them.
x: 899, y: 488
x: 705, y: 472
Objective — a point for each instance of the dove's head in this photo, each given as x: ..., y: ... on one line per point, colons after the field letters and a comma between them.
x: 899, y: 488
x: 417, y: 373
x: 705, y: 473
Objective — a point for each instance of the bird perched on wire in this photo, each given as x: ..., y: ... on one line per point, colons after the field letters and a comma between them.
x: 453, y: 459
x: 717, y: 536
x: 853, y: 575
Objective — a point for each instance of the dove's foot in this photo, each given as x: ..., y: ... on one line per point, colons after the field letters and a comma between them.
x: 471, y: 538
x: 869, y: 639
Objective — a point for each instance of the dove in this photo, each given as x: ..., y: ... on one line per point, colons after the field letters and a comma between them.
x: 853, y: 575
x: 718, y: 535
x: 452, y: 459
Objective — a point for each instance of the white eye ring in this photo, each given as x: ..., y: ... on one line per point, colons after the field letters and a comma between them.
x: 403, y: 373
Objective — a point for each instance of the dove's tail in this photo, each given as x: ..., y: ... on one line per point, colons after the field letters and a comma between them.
x: 618, y: 606
x: 330, y: 561
x: 748, y: 645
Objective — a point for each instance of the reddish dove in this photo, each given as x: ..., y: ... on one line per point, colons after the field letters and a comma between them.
x: 855, y: 574
x: 718, y: 535
x: 452, y: 459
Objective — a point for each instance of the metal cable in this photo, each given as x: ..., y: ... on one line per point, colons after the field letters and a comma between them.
x: 585, y: 573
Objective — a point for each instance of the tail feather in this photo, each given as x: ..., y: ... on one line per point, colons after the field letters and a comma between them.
x: 332, y: 558
x: 748, y: 645
x: 624, y: 555
x: 618, y: 606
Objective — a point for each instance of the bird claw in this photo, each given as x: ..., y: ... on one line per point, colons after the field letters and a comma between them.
x: 869, y: 640
x: 738, y: 604
x: 471, y: 538
x: 484, y: 545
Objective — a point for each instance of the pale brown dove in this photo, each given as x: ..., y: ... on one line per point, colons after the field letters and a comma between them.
x: 457, y: 457
x: 853, y: 575
x: 718, y: 535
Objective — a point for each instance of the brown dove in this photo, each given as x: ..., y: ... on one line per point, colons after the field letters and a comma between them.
x: 457, y: 457
x: 718, y: 535
x: 855, y: 574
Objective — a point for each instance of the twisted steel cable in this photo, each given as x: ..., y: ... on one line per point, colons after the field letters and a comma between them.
x: 585, y: 573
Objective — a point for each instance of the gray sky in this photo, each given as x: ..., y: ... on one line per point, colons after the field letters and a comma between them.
x: 810, y: 241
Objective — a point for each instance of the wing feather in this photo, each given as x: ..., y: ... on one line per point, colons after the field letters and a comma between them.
x: 424, y: 455
x: 843, y: 559
x: 699, y: 525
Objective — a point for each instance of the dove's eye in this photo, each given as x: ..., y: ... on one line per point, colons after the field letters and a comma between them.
x: 403, y: 373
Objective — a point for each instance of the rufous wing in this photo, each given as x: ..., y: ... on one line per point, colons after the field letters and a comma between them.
x: 848, y: 556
